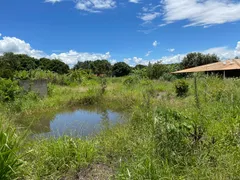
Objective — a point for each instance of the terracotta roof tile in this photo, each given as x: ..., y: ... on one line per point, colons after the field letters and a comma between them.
x: 218, y: 66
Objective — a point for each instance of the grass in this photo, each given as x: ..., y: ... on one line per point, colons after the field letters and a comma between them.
x: 10, y: 151
x: 166, y: 137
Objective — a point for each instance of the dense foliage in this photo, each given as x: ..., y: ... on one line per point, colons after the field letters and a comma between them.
x: 10, y: 63
x: 197, y: 59
x: 181, y: 88
x: 8, y: 89
x: 98, y: 67
x: 155, y: 71
x: 121, y: 69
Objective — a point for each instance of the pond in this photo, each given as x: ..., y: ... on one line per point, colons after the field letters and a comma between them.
x: 77, y: 122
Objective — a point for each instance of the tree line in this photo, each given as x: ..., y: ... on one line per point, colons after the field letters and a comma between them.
x: 10, y: 63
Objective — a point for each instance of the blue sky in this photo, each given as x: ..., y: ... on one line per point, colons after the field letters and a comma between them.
x: 134, y: 31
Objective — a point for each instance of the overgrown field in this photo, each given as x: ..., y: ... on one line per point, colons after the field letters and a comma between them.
x: 192, y: 136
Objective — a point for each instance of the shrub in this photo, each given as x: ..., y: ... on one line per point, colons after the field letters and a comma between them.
x: 121, y: 69
x: 181, y: 88
x: 8, y: 89
x: 131, y: 80
x: 167, y: 77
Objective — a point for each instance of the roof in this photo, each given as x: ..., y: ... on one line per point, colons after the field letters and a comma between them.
x: 218, y: 66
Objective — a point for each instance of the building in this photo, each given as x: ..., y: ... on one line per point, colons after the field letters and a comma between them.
x: 228, y: 68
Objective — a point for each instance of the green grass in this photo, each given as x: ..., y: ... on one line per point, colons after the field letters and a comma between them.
x: 10, y: 151
x: 165, y: 137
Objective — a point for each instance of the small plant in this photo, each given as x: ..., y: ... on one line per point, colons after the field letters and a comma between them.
x: 181, y: 88
x: 103, y: 85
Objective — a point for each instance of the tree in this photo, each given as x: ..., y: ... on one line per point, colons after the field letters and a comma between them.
x: 121, y: 69
x: 237, y: 57
x: 26, y: 62
x: 155, y: 71
x: 53, y: 65
x: 140, y: 66
x: 198, y: 59
x: 58, y: 67
x: 44, y: 63
x: 101, y: 67
x: 8, y: 64
x: 83, y: 65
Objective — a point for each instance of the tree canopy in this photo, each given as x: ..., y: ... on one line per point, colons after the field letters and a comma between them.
x: 10, y: 62
x: 198, y: 59
x: 155, y: 71
x: 121, y: 69
x: 97, y: 67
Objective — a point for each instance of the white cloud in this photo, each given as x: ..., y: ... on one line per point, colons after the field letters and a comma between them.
x: 148, y: 17
x: 164, y: 60
x: 201, y: 12
x: 134, y: 1
x: 18, y: 46
x: 148, y: 53
x: 155, y: 43
x: 53, y: 1
x: 238, y: 47
x: 72, y: 57
x: 127, y: 60
x: 222, y: 52
x: 113, y: 61
x: 149, y: 13
x: 95, y: 6
x: 171, y: 50
x: 0, y: 34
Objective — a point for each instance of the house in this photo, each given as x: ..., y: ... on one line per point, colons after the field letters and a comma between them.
x: 228, y: 68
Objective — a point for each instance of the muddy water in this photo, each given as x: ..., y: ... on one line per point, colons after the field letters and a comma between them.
x: 80, y: 122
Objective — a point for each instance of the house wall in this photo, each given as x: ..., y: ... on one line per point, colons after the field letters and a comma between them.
x: 38, y: 86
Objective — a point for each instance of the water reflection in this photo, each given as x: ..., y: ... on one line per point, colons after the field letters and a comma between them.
x: 74, y: 122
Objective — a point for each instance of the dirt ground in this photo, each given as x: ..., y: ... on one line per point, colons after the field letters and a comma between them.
x: 96, y: 172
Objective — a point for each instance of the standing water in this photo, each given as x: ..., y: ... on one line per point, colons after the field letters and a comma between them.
x: 74, y: 122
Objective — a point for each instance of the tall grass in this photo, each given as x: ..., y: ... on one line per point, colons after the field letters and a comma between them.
x: 10, y: 157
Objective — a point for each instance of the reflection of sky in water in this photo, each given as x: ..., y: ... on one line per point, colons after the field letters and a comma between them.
x: 81, y: 123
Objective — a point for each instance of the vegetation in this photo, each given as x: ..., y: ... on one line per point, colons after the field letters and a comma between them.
x: 8, y: 90
x: 197, y: 59
x: 181, y: 88
x: 164, y: 137
x: 121, y: 69
x: 98, y: 67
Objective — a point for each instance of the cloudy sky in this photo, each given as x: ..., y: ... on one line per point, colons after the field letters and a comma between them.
x: 134, y: 31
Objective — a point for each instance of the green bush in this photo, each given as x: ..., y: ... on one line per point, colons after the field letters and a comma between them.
x: 181, y: 88
x: 8, y: 89
x: 130, y: 81
x: 168, y: 77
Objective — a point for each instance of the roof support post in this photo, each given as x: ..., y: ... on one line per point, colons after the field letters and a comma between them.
x: 224, y: 74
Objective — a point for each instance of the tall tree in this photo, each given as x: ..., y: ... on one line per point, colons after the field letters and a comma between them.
x: 121, y: 69
x: 58, y: 66
x: 83, y: 65
x: 155, y: 71
x: 198, y: 59
x: 101, y: 67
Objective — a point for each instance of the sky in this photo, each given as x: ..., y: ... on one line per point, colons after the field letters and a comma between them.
x: 133, y: 31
